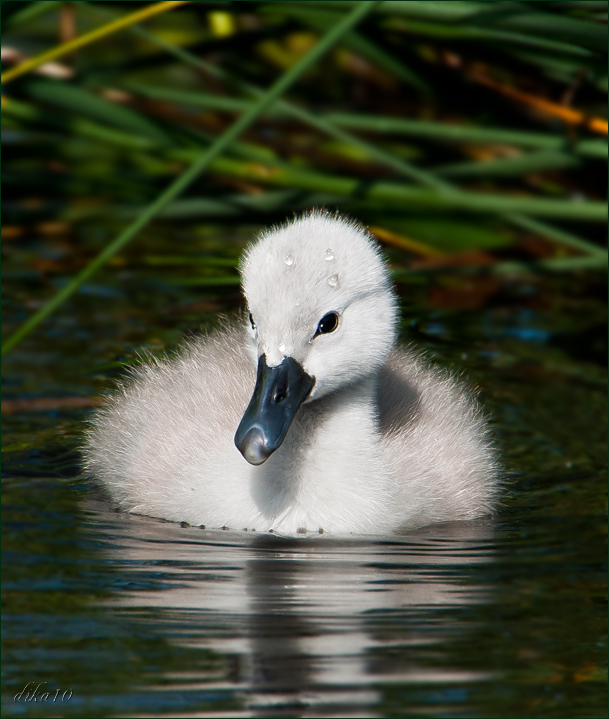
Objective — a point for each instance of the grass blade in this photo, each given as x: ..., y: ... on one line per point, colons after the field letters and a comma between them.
x: 78, y: 101
x: 13, y: 15
x: 560, y: 236
x: 399, y: 194
x: 512, y: 166
x: 320, y: 19
x: 521, y: 21
x: 86, y: 39
x: 456, y: 20
x: 553, y: 264
x: 463, y: 133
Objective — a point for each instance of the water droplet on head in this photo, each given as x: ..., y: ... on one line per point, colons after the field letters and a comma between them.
x: 289, y: 260
x: 329, y: 255
x: 333, y: 281
x: 281, y: 347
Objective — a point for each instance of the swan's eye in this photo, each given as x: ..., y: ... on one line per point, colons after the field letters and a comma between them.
x: 252, y: 323
x: 328, y: 323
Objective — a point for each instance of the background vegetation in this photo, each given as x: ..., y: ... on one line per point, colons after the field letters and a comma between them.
x: 470, y: 137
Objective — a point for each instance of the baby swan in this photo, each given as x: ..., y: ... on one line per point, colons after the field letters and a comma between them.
x: 343, y: 433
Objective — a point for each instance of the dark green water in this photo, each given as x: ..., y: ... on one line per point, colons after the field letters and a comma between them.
x: 136, y: 617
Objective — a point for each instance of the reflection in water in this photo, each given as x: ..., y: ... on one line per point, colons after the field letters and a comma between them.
x: 301, y: 619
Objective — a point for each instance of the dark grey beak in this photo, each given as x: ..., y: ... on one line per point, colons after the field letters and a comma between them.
x: 278, y: 394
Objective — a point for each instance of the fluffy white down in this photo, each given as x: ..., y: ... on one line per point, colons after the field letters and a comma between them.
x: 383, y: 443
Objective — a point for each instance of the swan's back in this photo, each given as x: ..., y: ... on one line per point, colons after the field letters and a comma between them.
x: 436, y: 442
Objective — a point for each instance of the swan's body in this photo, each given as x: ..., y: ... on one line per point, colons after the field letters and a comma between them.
x: 381, y: 441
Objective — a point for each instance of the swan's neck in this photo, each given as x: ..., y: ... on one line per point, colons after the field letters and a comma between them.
x: 329, y: 468
x: 326, y: 420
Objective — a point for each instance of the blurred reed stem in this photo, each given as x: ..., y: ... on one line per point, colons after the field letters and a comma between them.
x: 86, y: 39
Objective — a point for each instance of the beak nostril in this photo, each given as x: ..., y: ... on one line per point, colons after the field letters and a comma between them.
x: 280, y: 394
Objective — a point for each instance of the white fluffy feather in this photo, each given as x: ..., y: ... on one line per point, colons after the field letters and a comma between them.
x: 383, y: 443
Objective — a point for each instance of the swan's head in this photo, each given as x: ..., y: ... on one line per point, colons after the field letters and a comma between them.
x: 322, y: 314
